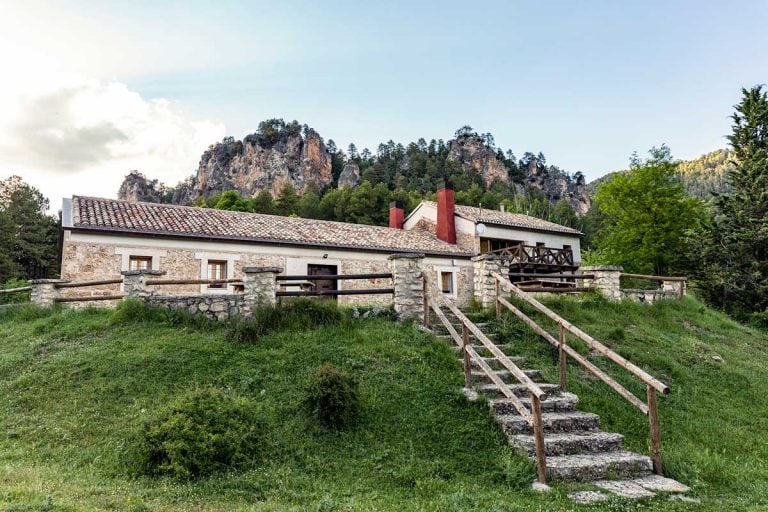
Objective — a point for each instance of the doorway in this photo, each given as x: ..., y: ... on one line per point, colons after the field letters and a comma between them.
x: 324, y: 284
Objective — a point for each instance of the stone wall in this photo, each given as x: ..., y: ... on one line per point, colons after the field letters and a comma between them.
x: 484, y: 282
x: 215, y: 307
x: 409, y: 285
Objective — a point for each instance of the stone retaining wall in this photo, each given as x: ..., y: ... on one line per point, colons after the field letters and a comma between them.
x: 215, y: 307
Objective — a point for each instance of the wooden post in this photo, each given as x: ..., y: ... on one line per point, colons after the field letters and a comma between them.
x: 563, y: 360
x: 467, y: 362
x: 538, y: 438
x: 426, y: 304
x: 498, y: 306
x: 653, y: 421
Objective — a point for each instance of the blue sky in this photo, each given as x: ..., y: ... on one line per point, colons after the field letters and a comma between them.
x: 587, y: 83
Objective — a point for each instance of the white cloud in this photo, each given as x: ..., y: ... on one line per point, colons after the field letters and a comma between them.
x: 82, y: 136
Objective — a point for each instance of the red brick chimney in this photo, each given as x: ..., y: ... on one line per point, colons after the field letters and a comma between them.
x: 446, y: 222
x: 396, y: 215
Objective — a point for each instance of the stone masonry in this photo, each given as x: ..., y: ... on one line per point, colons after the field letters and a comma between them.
x: 215, y: 307
x: 484, y: 282
x: 260, y: 285
x: 606, y: 280
x: 135, y: 283
x: 408, y: 280
x: 44, y: 291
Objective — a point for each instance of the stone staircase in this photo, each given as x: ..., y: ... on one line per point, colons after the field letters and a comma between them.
x: 576, y: 449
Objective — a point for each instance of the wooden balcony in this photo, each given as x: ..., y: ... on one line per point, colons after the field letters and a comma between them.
x: 530, y: 258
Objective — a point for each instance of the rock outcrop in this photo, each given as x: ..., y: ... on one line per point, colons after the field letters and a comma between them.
x: 258, y: 163
x: 136, y: 187
x: 350, y: 176
x: 475, y: 156
x: 558, y: 185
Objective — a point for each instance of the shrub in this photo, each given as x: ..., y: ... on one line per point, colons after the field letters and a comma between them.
x: 332, y: 397
x: 204, y: 431
x: 15, y: 297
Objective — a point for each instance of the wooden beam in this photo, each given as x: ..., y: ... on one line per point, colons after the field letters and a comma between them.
x: 332, y: 277
x: 89, y: 283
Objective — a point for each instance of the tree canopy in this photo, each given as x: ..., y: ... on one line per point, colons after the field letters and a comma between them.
x: 733, y: 270
x: 28, y: 237
x: 645, y: 217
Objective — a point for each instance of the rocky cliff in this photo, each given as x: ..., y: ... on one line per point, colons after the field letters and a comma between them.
x: 266, y: 160
x: 557, y: 185
x: 475, y: 156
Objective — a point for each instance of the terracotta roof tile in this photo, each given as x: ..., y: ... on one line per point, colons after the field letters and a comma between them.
x: 163, y: 219
x: 517, y: 220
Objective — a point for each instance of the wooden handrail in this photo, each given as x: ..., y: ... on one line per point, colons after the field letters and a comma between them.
x: 589, y: 340
x: 163, y: 282
x: 81, y: 284
x: 652, y: 385
x: 654, y: 278
x: 332, y: 277
x: 597, y: 372
x: 532, y: 417
x: 89, y: 299
x: 14, y: 290
x: 491, y: 346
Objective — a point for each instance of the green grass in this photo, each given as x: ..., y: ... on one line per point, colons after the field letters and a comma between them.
x: 76, y: 387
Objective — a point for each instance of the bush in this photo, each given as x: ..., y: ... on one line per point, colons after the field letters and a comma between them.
x: 15, y: 297
x: 203, y: 432
x: 332, y: 398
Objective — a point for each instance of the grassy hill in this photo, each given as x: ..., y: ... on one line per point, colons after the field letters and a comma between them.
x: 76, y: 387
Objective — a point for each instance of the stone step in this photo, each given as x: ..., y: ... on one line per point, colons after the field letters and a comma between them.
x: 494, y: 363
x: 480, y: 377
x: 572, y: 443
x: 491, y: 391
x: 589, y: 467
x: 553, y: 422
x: 564, y: 402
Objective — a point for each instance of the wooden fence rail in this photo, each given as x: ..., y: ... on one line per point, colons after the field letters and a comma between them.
x: 16, y: 290
x: 332, y: 277
x: 653, y: 385
x: 81, y: 284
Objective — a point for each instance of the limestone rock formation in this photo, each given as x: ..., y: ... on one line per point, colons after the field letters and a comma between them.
x: 259, y: 163
x: 350, y: 176
x: 136, y: 187
x: 558, y: 185
x: 471, y: 152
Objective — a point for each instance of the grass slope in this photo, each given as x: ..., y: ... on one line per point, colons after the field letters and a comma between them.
x: 75, y: 387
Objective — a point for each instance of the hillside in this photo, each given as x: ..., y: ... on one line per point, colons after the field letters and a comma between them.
x: 76, y: 386
x: 701, y: 176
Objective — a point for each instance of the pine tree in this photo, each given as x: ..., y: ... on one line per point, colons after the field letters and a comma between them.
x: 733, y: 270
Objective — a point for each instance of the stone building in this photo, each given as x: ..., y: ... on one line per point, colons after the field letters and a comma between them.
x: 104, y: 237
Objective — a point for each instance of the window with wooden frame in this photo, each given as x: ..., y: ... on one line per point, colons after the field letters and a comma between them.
x: 446, y: 282
x: 140, y: 263
x: 217, y: 269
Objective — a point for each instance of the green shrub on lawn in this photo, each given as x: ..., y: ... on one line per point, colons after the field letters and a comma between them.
x: 332, y: 398
x: 205, y: 431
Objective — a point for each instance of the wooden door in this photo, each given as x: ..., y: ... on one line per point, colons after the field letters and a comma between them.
x: 324, y: 284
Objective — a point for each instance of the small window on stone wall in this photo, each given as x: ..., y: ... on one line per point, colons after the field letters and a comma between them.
x: 446, y: 282
x: 140, y: 263
x: 217, y: 269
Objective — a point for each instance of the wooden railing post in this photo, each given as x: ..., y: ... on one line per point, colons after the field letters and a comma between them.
x: 465, y: 352
x: 653, y: 421
x: 498, y: 306
x: 538, y: 438
x: 426, y: 304
x: 563, y: 359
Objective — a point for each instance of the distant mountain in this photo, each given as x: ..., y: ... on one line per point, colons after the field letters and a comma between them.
x: 701, y: 176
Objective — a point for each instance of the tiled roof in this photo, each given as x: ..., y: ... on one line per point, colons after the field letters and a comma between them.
x: 517, y: 220
x: 162, y: 219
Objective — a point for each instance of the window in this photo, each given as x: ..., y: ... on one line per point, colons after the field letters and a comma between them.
x: 217, y: 269
x: 140, y: 263
x: 446, y: 282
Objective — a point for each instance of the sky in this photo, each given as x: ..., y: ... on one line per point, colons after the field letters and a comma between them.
x: 91, y: 90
